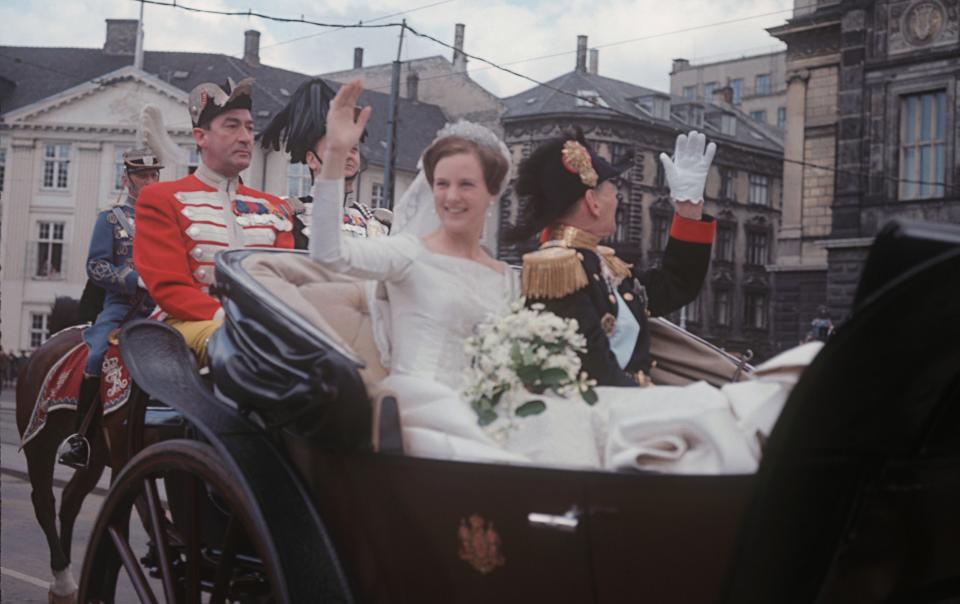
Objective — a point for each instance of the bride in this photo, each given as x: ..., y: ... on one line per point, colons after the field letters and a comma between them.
x: 440, y: 283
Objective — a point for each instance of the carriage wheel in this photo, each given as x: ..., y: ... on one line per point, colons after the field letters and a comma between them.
x: 189, y: 563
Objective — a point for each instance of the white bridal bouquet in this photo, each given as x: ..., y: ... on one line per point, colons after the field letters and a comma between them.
x: 520, y: 354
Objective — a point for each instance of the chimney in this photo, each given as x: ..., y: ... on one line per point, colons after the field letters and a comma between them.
x: 358, y: 57
x: 582, y: 53
x: 459, y: 59
x: 680, y: 65
x: 413, y: 85
x: 121, y: 37
x: 251, y: 47
x: 594, y: 60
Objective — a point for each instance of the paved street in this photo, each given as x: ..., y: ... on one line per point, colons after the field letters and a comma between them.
x: 24, y: 556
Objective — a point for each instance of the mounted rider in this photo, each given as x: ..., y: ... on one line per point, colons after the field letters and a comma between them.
x: 301, y: 127
x: 110, y: 267
x: 184, y: 223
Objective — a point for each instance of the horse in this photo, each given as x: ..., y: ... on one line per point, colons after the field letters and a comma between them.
x: 107, y: 447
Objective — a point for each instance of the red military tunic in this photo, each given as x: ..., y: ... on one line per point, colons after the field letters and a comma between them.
x: 182, y: 224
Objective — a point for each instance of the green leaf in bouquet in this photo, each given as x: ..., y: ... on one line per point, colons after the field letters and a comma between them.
x: 554, y: 377
x: 589, y: 396
x: 485, y: 417
x: 534, y: 407
x: 528, y: 374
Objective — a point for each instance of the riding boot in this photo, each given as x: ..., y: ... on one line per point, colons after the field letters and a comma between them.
x: 75, y: 450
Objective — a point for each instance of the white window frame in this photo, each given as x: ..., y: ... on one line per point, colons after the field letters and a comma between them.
x: 57, y: 166
x: 759, y: 189
x: 690, y: 92
x: 726, y: 250
x: 298, y: 180
x: 760, y: 115
x: 915, y: 145
x: 119, y: 169
x: 41, y: 332
x: 758, y: 247
x: 376, y: 195
x: 723, y: 316
x: 765, y: 89
x: 781, y: 117
x: 736, y: 85
x: 49, y: 240
x: 755, y: 310
x: 708, y: 89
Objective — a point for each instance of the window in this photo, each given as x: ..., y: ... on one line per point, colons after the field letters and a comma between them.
x: 781, y: 117
x: 376, y: 195
x: 726, y: 239
x: 757, y: 248
x: 708, y: 89
x: 737, y: 86
x: 39, y: 331
x: 728, y: 184
x: 755, y: 310
x: 923, y: 129
x: 56, y: 163
x: 759, y: 116
x: 728, y: 124
x: 118, y: 167
x: 298, y: 180
x: 659, y: 233
x: 193, y: 157
x: 762, y: 84
x: 622, y: 234
x: 617, y: 152
x: 759, y: 189
x: 49, y: 249
x: 590, y: 98
x: 693, y: 311
x: 690, y: 92
x: 721, y: 306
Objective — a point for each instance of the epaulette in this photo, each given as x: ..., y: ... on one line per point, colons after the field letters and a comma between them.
x: 618, y: 268
x: 552, y: 272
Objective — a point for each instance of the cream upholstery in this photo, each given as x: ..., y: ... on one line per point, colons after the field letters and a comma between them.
x: 335, y: 303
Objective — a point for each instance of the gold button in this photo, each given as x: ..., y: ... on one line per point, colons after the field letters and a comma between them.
x: 628, y: 297
x: 580, y: 256
x: 596, y: 277
x: 613, y: 299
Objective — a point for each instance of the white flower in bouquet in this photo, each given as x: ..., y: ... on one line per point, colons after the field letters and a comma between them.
x: 518, y: 355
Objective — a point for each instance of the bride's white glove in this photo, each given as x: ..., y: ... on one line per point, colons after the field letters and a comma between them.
x: 687, y: 170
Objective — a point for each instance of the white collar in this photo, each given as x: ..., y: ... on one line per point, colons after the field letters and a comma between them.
x: 218, y: 181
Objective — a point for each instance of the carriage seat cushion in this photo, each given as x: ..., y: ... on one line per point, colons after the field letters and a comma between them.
x: 336, y: 304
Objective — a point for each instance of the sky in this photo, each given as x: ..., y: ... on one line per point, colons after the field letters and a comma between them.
x: 637, y: 39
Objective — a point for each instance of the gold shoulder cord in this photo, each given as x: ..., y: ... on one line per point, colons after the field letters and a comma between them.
x: 619, y: 268
x: 552, y: 272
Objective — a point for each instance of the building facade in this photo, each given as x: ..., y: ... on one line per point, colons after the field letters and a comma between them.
x: 757, y: 84
x: 743, y: 189
x: 63, y: 131
x: 873, y: 97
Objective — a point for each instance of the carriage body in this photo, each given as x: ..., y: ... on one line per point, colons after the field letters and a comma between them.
x: 855, y: 499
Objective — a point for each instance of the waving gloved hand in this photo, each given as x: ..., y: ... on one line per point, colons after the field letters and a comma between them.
x: 687, y: 170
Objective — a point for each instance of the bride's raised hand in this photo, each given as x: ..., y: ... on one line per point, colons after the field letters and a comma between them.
x: 344, y: 123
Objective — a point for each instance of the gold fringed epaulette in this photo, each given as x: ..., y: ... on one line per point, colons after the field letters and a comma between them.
x: 619, y: 268
x: 552, y: 273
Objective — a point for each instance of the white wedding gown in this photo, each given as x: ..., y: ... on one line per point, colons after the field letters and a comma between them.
x: 435, y: 301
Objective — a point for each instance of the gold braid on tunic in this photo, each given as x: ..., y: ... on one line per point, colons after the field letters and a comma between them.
x: 556, y: 269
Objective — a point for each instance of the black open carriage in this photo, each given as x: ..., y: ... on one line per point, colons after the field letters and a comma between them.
x: 283, y: 488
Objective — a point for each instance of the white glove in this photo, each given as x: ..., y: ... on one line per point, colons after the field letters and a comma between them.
x: 140, y: 283
x: 687, y: 170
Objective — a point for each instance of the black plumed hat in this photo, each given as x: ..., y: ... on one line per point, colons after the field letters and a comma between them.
x: 554, y: 177
x: 303, y: 122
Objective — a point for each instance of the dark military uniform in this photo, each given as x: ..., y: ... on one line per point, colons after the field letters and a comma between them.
x: 358, y: 220
x: 574, y: 277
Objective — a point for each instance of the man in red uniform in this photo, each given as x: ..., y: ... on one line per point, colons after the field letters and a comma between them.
x: 182, y: 224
